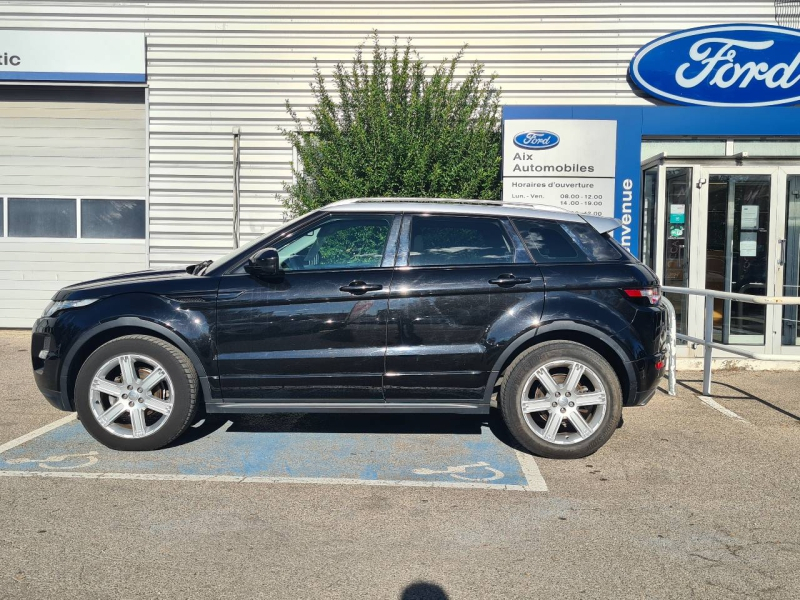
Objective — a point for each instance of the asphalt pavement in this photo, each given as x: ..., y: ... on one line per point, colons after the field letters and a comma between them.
x: 688, y: 500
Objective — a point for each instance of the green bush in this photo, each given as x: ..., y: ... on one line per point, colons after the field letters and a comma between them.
x: 396, y: 127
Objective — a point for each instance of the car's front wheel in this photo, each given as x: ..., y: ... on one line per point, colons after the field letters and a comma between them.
x: 136, y: 392
x: 561, y: 400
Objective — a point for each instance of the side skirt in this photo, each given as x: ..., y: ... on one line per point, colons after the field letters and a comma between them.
x: 347, y: 407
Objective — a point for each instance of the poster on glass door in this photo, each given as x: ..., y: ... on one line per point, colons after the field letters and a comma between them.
x: 564, y: 163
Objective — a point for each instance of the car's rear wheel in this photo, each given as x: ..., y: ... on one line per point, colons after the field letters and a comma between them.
x: 561, y: 400
x: 136, y: 393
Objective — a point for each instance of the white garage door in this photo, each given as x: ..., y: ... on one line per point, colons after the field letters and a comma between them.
x: 72, y: 183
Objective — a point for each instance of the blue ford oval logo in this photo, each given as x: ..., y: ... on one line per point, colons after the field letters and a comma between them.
x: 724, y: 65
x: 536, y: 140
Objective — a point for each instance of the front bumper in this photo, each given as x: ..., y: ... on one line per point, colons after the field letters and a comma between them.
x: 46, y: 363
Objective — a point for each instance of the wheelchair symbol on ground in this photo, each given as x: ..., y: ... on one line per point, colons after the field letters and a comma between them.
x: 459, y: 472
x: 73, y: 461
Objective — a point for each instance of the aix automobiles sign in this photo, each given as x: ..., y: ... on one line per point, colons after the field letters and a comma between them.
x: 723, y: 65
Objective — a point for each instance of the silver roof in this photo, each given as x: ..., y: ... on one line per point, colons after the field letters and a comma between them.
x: 470, y: 207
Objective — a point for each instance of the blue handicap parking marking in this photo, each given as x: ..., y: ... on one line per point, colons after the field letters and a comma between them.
x: 372, y: 449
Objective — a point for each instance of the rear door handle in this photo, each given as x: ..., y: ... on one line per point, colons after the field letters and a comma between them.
x: 359, y: 287
x: 508, y: 280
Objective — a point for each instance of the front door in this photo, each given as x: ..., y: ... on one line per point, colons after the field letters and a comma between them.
x: 317, y: 333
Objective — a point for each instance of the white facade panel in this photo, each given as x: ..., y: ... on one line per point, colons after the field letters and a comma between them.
x: 215, y: 66
x: 66, y: 143
x: 31, y: 271
x: 71, y: 142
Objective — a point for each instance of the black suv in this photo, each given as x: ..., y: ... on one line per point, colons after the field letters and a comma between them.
x: 370, y: 305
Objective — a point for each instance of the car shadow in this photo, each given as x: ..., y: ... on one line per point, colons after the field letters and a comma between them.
x: 350, y: 423
x: 733, y: 393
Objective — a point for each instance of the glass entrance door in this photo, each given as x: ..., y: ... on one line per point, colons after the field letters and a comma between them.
x: 738, y: 211
x: 677, y: 227
x: 726, y: 225
x: 789, y: 261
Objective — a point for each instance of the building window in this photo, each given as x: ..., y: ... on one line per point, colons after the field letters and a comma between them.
x: 116, y: 219
x: 42, y: 217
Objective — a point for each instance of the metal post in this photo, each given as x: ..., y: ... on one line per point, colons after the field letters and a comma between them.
x: 707, y: 350
x: 672, y: 349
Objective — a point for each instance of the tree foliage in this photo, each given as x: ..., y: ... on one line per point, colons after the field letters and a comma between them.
x: 395, y: 126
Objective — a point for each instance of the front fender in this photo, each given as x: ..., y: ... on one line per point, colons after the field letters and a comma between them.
x: 189, y: 328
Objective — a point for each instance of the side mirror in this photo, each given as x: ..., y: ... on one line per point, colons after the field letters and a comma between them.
x: 264, y: 263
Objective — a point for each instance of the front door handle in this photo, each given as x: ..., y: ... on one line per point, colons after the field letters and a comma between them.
x: 359, y: 287
x: 508, y: 280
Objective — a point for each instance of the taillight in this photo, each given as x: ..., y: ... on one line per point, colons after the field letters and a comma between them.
x: 651, y: 294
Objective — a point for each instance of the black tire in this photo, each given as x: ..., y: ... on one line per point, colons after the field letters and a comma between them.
x: 181, y: 372
x: 523, y: 367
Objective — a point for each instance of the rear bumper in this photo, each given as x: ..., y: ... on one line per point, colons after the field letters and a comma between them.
x: 648, y: 372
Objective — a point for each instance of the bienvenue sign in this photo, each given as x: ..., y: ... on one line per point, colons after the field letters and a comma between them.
x: 724, y: 65
x: 76, y: 56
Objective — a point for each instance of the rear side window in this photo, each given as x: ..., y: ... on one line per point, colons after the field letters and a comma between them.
x: 446, y: 241
x: 554, y: 241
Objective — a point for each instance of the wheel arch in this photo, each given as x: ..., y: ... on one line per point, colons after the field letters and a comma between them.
x: 91, y: 340
x: 571, y: 332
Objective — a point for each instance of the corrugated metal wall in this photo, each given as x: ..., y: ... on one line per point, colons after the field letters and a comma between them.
x: 213, y: 66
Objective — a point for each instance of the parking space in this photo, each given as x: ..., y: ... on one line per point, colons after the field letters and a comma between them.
x: 684, y: 501
x: 444, y: 451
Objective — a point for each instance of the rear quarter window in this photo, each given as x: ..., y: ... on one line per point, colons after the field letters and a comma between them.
x: 558, y: 242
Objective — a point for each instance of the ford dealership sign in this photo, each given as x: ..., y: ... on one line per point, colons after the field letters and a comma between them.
x: 724, y: 65
x: 536, y: 140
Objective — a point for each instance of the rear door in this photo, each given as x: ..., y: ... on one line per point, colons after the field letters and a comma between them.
x: 462, y: 288
x: 317, y: 333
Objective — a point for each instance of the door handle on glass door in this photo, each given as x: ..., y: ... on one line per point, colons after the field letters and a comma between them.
x: 781, y: 253
x: 359, y: 287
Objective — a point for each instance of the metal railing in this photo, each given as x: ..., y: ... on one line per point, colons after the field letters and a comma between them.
x: 708, y: 331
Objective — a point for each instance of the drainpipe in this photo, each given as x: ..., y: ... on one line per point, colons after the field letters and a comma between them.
x: 236, y: 188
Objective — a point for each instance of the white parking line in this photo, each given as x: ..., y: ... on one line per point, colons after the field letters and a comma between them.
x: 718, y: 407
x: 530, y: 469
x: 37, y: 432
x: 306, y: 480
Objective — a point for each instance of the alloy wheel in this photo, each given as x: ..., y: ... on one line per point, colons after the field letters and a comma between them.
x: 131, y: 396
x: 563, y: 402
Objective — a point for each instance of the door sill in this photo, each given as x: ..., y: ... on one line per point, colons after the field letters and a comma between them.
x: 348, y: 407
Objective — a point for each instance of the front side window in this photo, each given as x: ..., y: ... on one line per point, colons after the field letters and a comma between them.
x: 448, y: 241
x: 559, y: 242
x: 338, y: 243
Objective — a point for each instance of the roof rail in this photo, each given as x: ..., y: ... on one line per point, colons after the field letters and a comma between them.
x: 455, y: 201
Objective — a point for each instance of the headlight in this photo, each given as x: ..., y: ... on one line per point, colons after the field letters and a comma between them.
x: 58, y: 305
